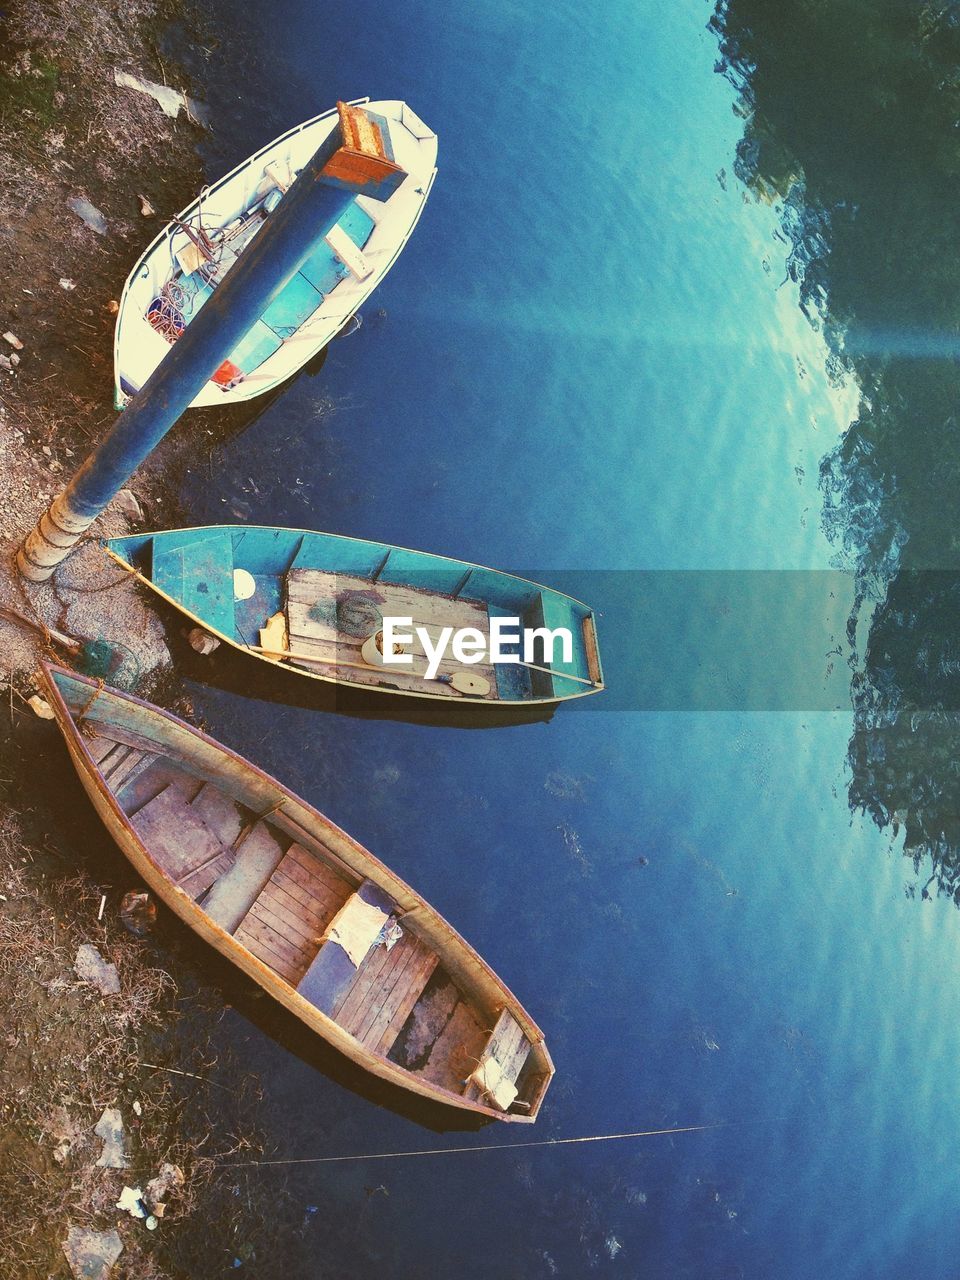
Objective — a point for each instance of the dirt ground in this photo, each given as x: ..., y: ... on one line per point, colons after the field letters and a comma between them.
x: 67, y: 1051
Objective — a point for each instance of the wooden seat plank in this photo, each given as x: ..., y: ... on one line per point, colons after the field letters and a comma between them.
x: 508, y: 1046
x: 173, y: 834
x: 220, y: 812
x: 199, y: 881
x: 456, y: 1050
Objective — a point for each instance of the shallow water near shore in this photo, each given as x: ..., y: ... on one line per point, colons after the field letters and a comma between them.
x: 586, y: 360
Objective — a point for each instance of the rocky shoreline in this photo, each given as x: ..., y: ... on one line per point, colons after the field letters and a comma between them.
x: 73, y: 1052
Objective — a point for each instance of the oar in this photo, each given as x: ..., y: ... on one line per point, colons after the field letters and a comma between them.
x: 66, y: 642
x: 295, y: 656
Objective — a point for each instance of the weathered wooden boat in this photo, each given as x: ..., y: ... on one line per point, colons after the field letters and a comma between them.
x: 307, y: 912
x: 313, y: 602
x: 181, y: 268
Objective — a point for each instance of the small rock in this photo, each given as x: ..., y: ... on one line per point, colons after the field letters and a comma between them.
x: 13, y: 340
x: 90, y: 966
x: 46, y: 451
x: 146, y: 208
x: 110, y: 1128
x: 113, y: 306
x: 127, y: 502
x: 202, y: 641
x: 6, y: 363
x: 88, y: 213
x: 169, y: 1179
x: 91, y: 1254
x: 67, y: 284
x: 40, y: 707
x: 14, y: 358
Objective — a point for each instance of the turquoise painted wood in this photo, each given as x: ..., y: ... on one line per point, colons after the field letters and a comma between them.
x: 194, y: 569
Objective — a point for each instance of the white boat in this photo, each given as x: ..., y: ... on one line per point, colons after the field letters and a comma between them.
x: 183, y: 265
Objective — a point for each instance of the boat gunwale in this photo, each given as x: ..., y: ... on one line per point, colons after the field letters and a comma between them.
x: 356, y: 684
x: 185, y: 907
x: 170, y: 229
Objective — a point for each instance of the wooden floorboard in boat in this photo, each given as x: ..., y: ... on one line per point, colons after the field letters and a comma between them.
x: 319, y: 638
x: 140, y: 788
x: 387, y: 986
x: 173, y: 835
x: 457, y: 1050
x: 291, y: 912
x: 199, y: 881
x: 220, y: 812
x: 269, y: 947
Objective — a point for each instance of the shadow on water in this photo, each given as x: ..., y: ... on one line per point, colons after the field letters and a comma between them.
x: 850, y: 132
x: 234, y: 672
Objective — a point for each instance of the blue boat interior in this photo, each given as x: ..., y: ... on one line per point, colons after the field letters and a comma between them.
x: 293, y: 306
x: 195, y: 568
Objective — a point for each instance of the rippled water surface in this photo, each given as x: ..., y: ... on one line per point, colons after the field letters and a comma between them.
x: 593, y: 356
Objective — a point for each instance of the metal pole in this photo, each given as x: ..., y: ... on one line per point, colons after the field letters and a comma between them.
x: 351, y: 161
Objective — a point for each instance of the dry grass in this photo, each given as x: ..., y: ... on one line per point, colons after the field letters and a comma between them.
x: 68, y: 1052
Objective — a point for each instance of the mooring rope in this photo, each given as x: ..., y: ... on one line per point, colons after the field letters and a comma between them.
x: 496, y: 1146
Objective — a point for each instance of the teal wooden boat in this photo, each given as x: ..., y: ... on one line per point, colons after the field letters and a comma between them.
x: 315, y: 603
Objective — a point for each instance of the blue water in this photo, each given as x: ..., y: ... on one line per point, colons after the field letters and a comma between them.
x: 587, y: 359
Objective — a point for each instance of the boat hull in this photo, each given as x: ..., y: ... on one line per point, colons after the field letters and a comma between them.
x: 139, y: 348
x: 205, y: 557
x: 223, y: 764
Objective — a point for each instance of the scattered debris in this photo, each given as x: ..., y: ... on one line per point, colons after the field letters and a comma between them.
x: 110, y: 1128
x: 40, y: 707
x: 91, y: 1254
x: 131, y: 1201
x: 138, y: 911
x: 146, y: 208
x: 137, y: 1108
x: 13, y: 340
x: 170, y: 101
x: 90, y: 966
x: 67, y: 284
x: 169, y: 1180
x: 113, y: 306
x: 67, y: 1131
x: 127, y: 502
x: 88, y: 213
x: 202, y: 641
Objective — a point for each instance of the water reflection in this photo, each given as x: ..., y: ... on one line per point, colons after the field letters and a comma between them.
x: 850, y: 130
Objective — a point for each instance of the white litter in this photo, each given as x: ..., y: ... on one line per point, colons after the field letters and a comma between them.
x: 171, y: 101
x: 110, y: 1128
